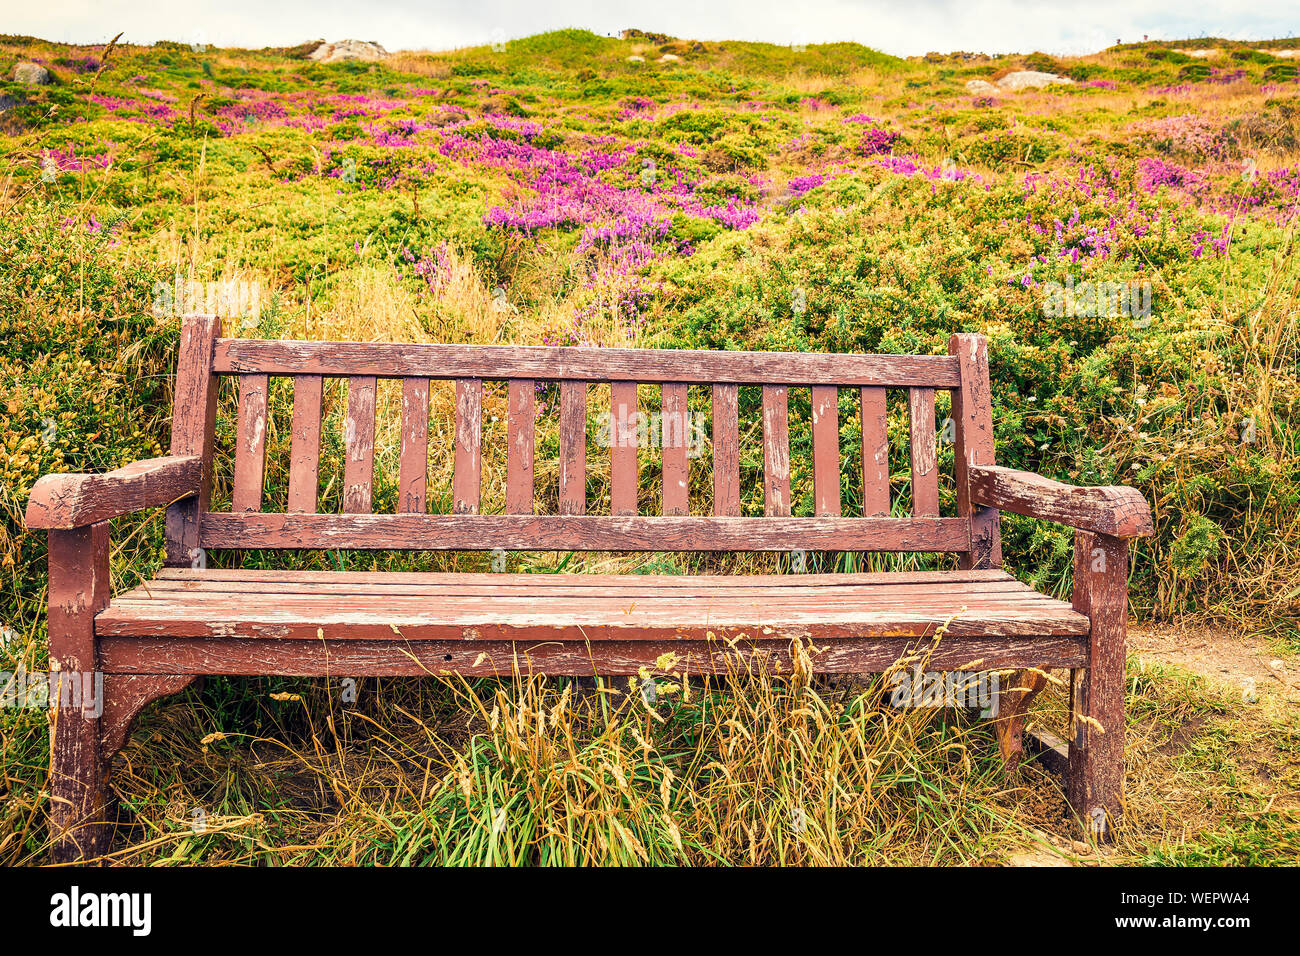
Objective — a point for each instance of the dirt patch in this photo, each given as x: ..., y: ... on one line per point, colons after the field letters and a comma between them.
x: 1037, y: 856
x: 1235, y: 660
x: 1052, y: 849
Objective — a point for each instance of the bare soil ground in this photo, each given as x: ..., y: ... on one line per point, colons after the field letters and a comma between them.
x: 1222, y: 657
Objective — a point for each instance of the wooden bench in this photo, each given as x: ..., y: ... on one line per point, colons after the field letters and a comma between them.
x: 158, y: 637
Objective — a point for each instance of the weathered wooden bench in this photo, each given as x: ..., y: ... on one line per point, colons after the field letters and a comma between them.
x: 158, y: 637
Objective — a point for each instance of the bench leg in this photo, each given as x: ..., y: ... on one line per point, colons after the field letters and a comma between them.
x: 79, y: 588
x: 1013, y: 712
x: 78, y: 788
x: 82, y: 750
x: 1095, y: 781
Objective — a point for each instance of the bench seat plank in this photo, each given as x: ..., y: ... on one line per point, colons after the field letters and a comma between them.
x: 573, y: 579
x: 613, y: 607
x: 875, y: 597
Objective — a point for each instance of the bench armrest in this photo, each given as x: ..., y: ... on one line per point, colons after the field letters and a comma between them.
x: 1115, y: 510
x: 76, y: 500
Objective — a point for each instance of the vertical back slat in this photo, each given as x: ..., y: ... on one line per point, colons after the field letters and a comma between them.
x: 726, y: 450
x: 674, y: 426
x: 925, y: 473
x: 776, y: 451
x: 250, y: 444
x: 413, y: 472
x: 826, y: 450
x: 972, y: 412
x: 359, y: 445
x: 875, y: 453
x: 521, y: 418
x: 623, y: 450
x: 467, y: 482
x: 304, y: 450
x: 573, y: 448
x: 194, y: 423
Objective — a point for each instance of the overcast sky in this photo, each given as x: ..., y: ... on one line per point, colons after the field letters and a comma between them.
x: 902, y: 28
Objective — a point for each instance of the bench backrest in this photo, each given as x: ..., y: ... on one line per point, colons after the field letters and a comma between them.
x: 205, y: 357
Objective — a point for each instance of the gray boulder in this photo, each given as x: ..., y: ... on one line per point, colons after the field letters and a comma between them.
x: 348, y: 50
x: 981, y: 88
x: 1030, y: 79
x: 31, y: 74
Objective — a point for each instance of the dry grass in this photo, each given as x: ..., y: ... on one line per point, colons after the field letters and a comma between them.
x: 752, y: 768
x: 420, y: 64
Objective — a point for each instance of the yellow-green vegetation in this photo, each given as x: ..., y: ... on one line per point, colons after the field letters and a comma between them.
x: 572, y: 189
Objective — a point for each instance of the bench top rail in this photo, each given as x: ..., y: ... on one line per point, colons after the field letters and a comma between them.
x: 557, y: 363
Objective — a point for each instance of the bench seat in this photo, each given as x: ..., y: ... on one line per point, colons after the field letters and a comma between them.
x: 881, y: 615
x: 574, y: 607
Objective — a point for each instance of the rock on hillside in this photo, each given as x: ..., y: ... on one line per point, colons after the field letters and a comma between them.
x: 1019, y: 80
x: 1030, y: 79
x: 347, y: 50
x: 31, y: 74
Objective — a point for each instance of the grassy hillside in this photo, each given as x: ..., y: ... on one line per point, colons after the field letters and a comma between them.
x: 573, y: 189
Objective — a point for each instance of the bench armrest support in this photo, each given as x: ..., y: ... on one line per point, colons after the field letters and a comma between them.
x: 1114, y: 510
x: 77, y: 500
